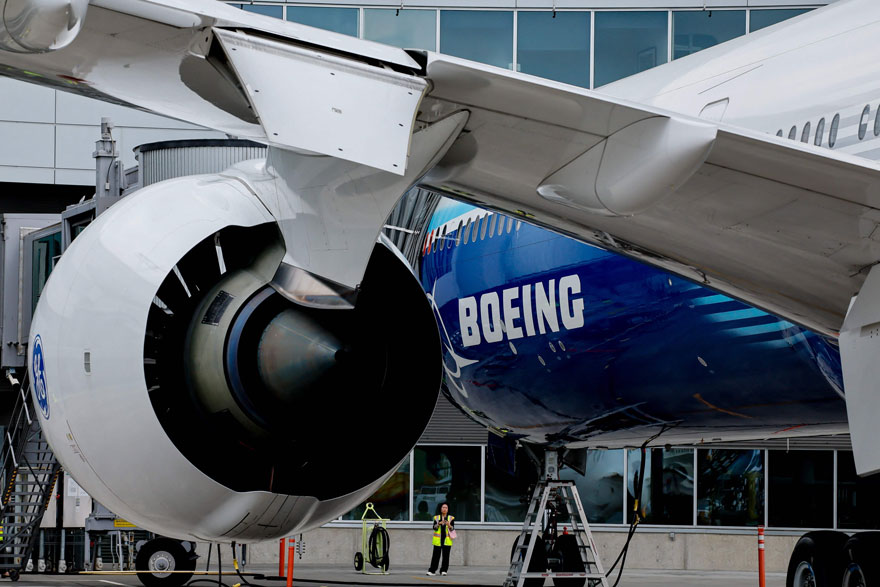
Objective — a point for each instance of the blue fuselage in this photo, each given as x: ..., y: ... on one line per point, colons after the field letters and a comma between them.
x: 558, y: 341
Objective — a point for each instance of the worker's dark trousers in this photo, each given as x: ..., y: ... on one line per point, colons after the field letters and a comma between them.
x: 435, y: 558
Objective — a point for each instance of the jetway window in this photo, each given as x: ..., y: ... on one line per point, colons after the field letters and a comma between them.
x: 45, y: 253
x: 800, y: 491
x: 759, y: 19
x: 695, y: 30
x: 857, y: 497
x: 668, y: 490
x: 479, y: 35
x: 447, y: 474
x: 730, y: 487
x: 629, y: 42
x: 391, y: 500
x: 554, y: 46
x: 601, y: 488
x: 409, y: 29
x: 331, y: 18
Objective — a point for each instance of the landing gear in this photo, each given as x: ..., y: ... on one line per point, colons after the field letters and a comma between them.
x: 160, y: 562
x: 816, y: 560
x: 861, y: 567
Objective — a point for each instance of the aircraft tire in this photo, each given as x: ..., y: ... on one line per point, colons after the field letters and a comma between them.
x: 160, y: 555
x: 538, y: 564
x: 816, y: 561
x: 569, y: 552
x: 860, y: 565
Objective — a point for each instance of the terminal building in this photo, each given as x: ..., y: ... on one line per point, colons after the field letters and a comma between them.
x: 696, y: 500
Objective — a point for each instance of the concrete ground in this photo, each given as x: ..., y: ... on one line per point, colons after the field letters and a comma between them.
x: 336, y: 576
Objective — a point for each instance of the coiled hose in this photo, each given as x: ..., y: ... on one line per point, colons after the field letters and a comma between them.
x: 378, y: 546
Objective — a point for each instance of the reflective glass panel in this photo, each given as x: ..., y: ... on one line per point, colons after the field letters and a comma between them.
x: 857, y: 497
x: 447, y: 474
x: 629, y: 42
x: 46, y: 251
x: 275, y: 11
x: 730, y: 487
x: 509, y: 475
x: 695, y: 30
x: 601, y: 488
x: 555, y: 48
x: 410, y: 29
x: 668, y: 490
x: 759, y: 19
x: 391, y: 500
x: 478, y: 35
x: 800, y: 489
x: 338, y: 20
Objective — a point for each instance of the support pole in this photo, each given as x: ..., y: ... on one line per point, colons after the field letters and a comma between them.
x: 281, y: 557
x: 290, y: 558
x: 761, y: 578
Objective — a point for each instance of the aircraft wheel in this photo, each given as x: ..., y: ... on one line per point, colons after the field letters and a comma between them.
x: 538, y: 564
x: 14, y: 575
x: 358, y: 561
x: 569, y: 551
x: 815, y: 561
x: 157, y: 559
x: 860, y: 565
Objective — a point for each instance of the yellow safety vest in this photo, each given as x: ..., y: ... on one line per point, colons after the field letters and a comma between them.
x: 436, y: 540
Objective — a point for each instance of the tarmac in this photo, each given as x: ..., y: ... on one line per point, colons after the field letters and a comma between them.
x: 312, y: 575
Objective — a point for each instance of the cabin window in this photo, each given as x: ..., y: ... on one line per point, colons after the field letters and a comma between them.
x: 832, y: 132
x: 805, y: 135
x: 458, y: 233
x: 779, y: 133
x: 443, y: 239
x: 792, y: 133
x: 492, y: 222
x: 820, y: 130
x: 510, y: 220
x: 863, y: 121
x: 483, y: 226
x: 877, y: 122
x: 518, y: 224
x: 467, y: 231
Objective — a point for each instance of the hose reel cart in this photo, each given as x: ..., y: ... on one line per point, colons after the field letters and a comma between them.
x: 375, y: 546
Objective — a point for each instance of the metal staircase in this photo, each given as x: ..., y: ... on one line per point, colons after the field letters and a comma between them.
x: 570, y: 559
x: 29, y: 472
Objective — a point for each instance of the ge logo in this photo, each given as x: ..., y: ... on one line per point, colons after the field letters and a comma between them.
x: 39, y: 377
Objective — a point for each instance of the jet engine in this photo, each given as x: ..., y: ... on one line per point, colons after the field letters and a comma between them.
x: 40, y: 26
x: 188, y: 396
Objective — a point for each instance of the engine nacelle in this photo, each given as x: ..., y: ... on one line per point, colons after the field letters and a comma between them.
x: 40, y: 26
x: 186, y: 395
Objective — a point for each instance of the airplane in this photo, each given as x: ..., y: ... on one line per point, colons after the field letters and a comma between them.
x: 556, y: 342
x: 680, y: 167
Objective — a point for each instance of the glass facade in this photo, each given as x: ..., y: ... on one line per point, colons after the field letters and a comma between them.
x: 763, y: 18
x: 555, y: 46
x: 409, y: 29
x: 668, y: 490
x: 730, y: 487
x: 331, y: 18
x: 683, y: 487
x: 447, y: 474
x: 694, y: 31
x: 479, y: 35
x: 629, y: 42
x: 800, y: 489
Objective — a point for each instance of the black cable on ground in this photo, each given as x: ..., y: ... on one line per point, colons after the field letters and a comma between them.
x: 238, y: 571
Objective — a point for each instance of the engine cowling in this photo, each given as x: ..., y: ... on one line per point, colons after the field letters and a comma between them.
x: 40, y: 26
x: 186, y: 395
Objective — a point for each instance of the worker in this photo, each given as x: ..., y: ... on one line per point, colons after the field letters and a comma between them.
x: 444, y: 533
